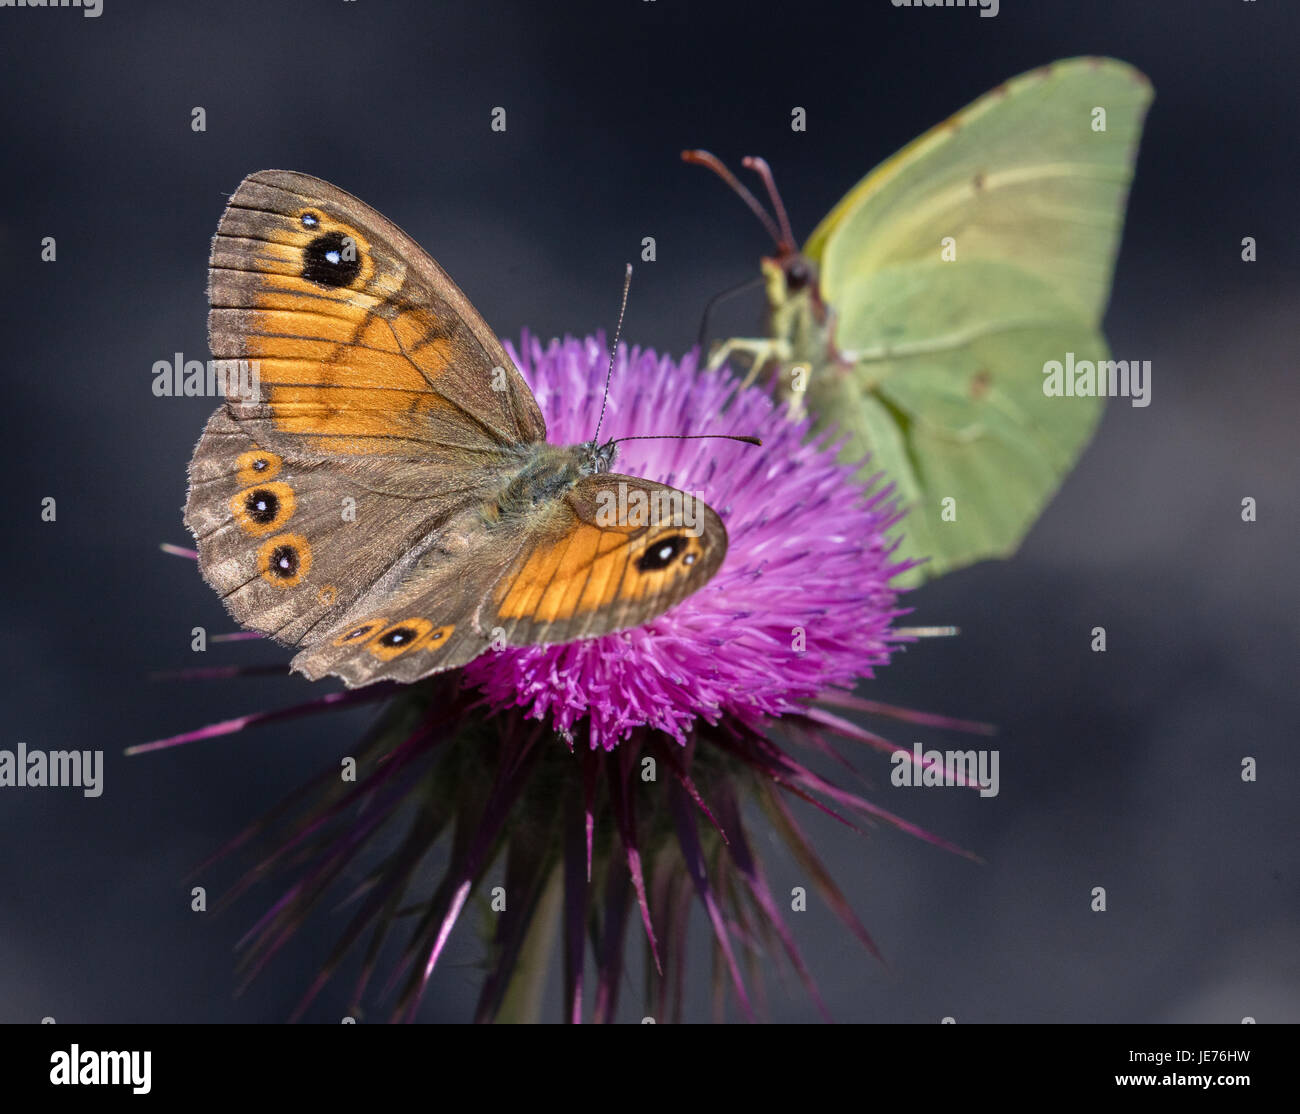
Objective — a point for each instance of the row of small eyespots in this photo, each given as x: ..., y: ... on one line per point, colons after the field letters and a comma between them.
x: 262, y: 507
x: 387, y: 640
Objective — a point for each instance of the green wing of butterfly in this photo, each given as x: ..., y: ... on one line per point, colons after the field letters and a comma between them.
x: 940, y: 367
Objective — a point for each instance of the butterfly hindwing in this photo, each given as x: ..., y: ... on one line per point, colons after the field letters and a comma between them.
x: 423, y: 621
x: 291, y: 543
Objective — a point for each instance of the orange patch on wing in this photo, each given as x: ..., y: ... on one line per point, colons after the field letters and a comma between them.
x: 299, y: 324
x: 563, y: 594
x: 604, y: 585
x: 532, y: 580
x: 263, y: 508
x: 289, y: 290
x: 422, y: 341
x: 352, y: 412
x: 319, y: 362
x: 256, y: 466
x: 547, y: 586
x: 284, y: 560
x: 641, y: 583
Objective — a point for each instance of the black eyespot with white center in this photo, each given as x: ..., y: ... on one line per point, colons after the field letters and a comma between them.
x: 310, y: 220
x: 331, y: 260
x: 661, y: 554
x: 399, y: 636
x: 284, y: 562
x: 262, y: 505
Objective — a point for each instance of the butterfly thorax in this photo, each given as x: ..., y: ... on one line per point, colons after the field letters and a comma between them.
x: 544, y: 473
x: 796, y: 313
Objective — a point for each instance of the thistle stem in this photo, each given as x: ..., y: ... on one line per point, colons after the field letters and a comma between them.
x: 522, y: 1004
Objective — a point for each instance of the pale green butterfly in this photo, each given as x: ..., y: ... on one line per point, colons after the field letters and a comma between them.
x: 921, y: 312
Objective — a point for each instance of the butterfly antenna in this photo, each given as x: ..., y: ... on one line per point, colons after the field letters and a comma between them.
x: 731, y: 292
x: 745, y: 438
x: 613, y: 351
x: 712, y: 162
x: 786, y: 243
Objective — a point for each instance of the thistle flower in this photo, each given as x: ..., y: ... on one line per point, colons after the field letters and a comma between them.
x: 802, y: 602
x: 614, y: 770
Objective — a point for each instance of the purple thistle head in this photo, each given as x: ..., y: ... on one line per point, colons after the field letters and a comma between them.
x: 802, y: 602
x: 799, y: 610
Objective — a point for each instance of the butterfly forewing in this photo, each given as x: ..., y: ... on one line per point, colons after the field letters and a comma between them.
x: 363, y: 344
x: 614, y: 552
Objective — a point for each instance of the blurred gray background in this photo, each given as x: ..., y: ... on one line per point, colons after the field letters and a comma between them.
x: 1121, y: 770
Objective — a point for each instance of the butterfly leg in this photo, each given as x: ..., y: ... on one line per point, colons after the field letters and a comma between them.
x: 760, y: 350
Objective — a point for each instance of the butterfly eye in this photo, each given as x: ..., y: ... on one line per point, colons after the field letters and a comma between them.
x: 797, y: 274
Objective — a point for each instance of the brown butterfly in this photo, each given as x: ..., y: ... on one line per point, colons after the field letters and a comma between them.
x: 388, y: 500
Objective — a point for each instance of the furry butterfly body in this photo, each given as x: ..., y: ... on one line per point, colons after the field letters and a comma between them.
x: 389, y: 502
